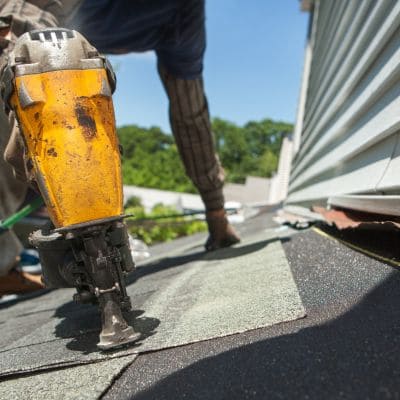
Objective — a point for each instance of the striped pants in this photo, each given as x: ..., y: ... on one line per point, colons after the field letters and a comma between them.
x: 190, y: 123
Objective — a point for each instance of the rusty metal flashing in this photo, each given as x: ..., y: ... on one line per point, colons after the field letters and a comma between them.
x: 347, y: 219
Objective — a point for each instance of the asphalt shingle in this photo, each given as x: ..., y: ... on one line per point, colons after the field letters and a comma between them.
x: 178, y: 300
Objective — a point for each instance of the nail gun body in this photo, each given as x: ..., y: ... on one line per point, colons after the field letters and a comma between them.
x: 60, y: 89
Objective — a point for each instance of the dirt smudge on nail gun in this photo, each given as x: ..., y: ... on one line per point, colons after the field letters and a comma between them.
x: 67, y: 125
x: 51, y: 152
x: 86, y: 121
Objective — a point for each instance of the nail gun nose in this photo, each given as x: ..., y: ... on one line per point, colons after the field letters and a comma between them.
x: 116, y: 332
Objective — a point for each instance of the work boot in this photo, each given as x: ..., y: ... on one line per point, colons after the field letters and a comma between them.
x: 221, y: 233
x: 18, y: 282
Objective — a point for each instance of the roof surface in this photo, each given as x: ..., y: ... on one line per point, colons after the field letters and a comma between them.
x: 283, y: 315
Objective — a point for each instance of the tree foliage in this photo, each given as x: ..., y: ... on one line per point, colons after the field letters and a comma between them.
x: 151, y: 158
x: 252, y: 149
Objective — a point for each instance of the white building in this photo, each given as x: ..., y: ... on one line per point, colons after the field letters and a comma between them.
x: 280, y: 182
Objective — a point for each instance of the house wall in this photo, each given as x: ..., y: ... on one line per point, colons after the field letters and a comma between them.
x: 348, y: 128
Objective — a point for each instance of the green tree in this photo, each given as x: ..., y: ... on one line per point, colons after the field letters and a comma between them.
x: 249, y: 150
x: 151, y: 158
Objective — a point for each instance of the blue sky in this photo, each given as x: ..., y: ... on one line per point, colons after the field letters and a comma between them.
x: 253, y: 66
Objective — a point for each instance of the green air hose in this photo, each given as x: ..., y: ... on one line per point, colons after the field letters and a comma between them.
x: 23, y: 212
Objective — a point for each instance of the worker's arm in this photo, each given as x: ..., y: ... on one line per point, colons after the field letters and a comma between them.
x: 16, y: 18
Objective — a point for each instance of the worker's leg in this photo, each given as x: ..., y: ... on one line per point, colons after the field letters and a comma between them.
x: 190, y: 123
x: 12, y: 193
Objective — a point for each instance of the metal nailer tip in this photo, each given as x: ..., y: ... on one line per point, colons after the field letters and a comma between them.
x: 116, y: 332
x: 118, y: 338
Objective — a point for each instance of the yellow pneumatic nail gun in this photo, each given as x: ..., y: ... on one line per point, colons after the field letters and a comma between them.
x: 60, y: 88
